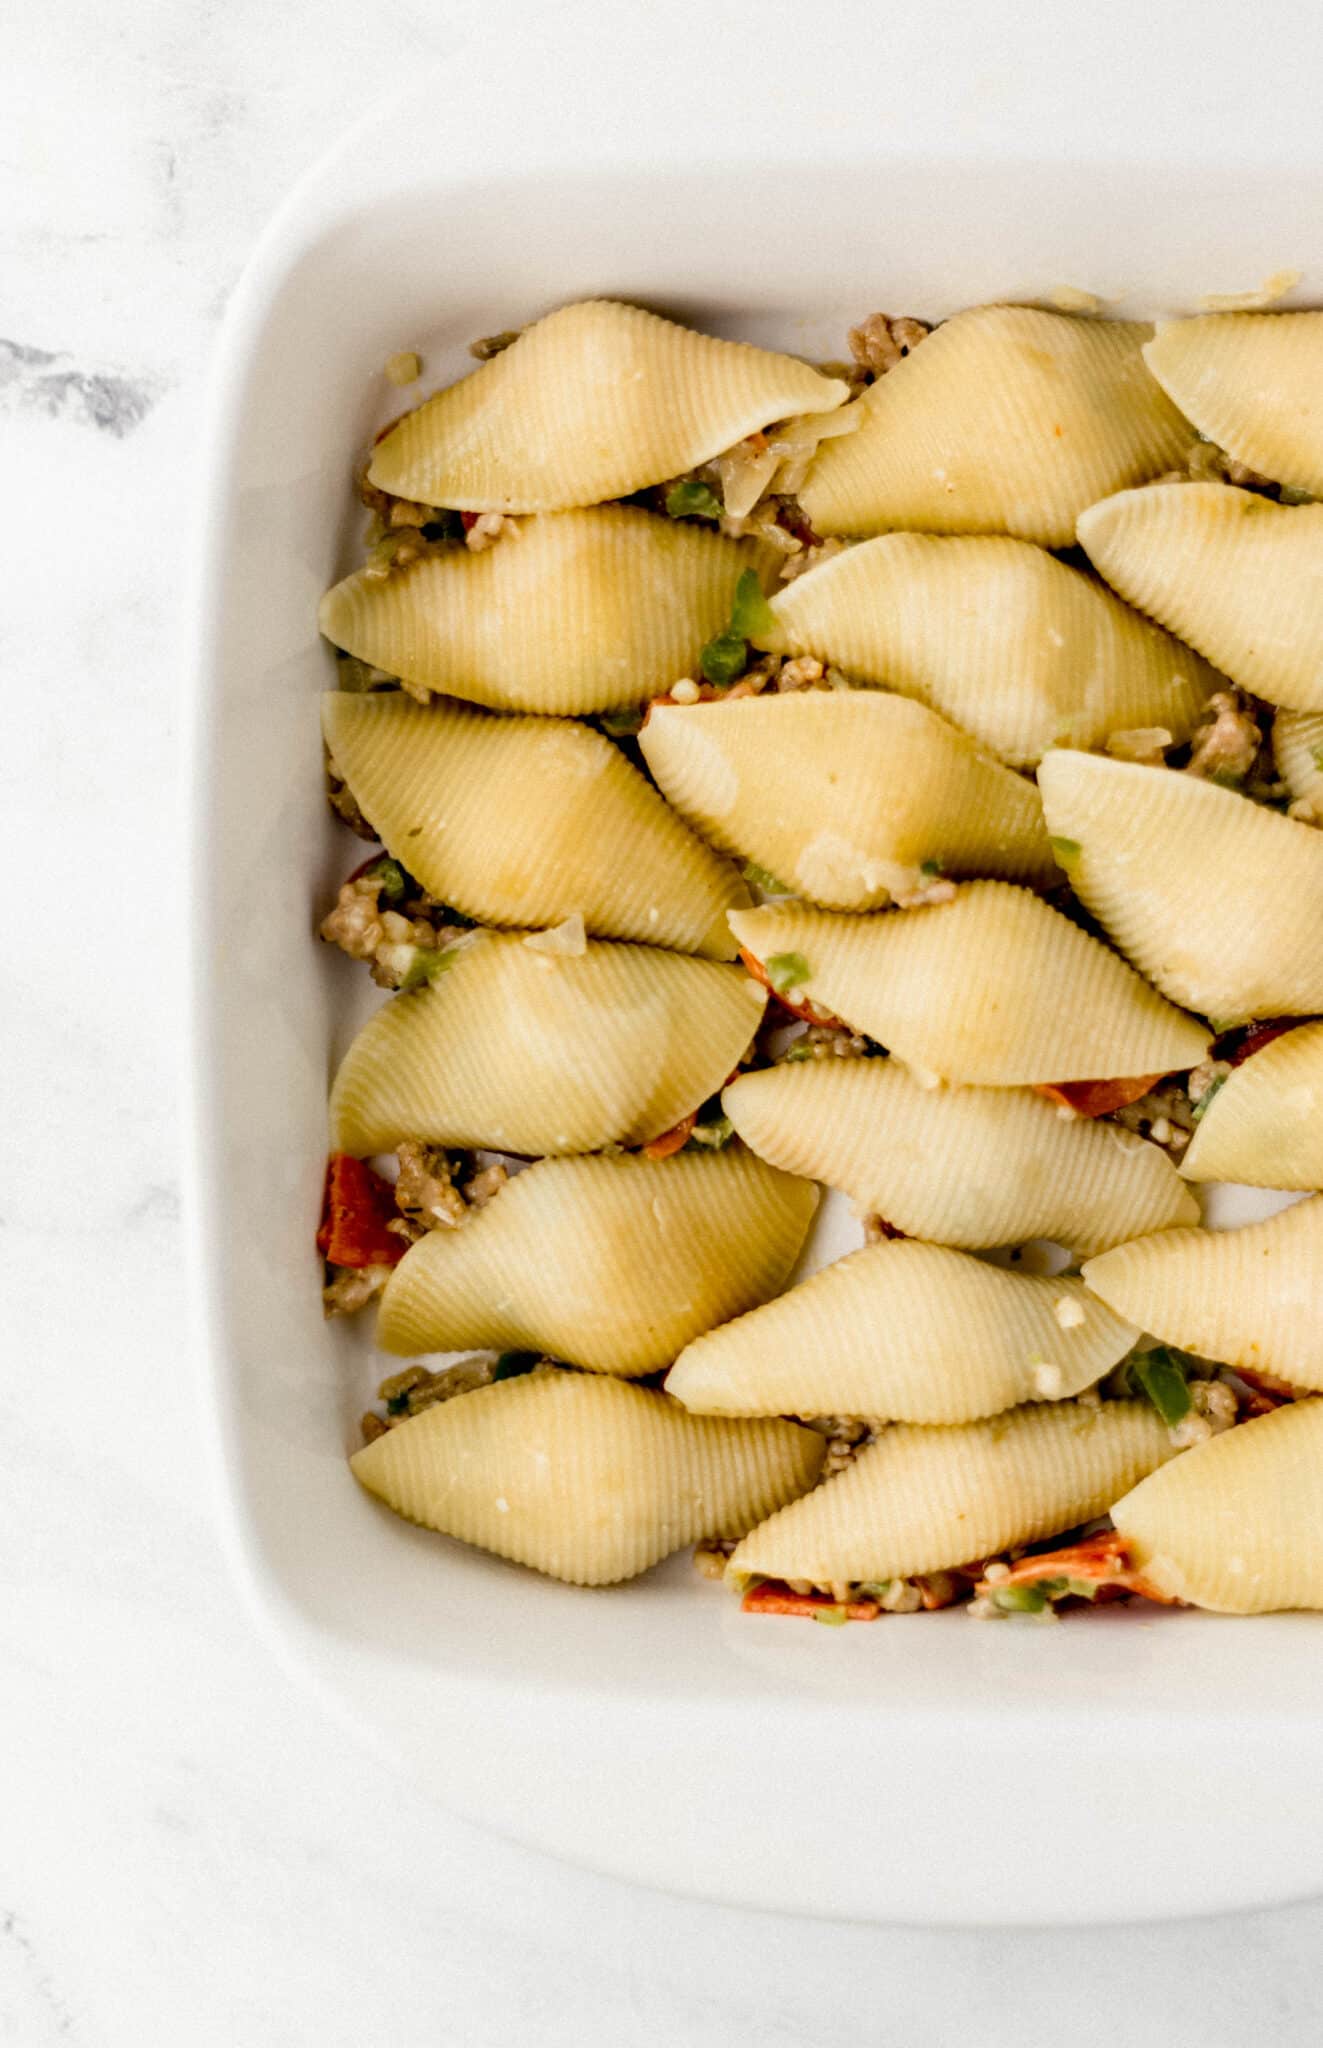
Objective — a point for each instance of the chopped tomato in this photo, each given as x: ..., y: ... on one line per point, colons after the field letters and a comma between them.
x: 673, y: 1140
x: 888, y: 1229
x: 773, y: 1596
x: 1266, y: 1391
x: 1102, y: 1561
x: 808, y: 1012
x: 1097, y: 1098
x: 357, y: 1206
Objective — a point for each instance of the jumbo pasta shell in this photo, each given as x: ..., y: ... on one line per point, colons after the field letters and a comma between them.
x: 1252, y: 382
x: 612, y: 1263
x: 1245, y: 1297
x: 1006, y: 420
x: 1012, y: 645
x: 925, y: 1499
x: 595, y: 401
x: 581, y: 1477
x: 1237, y: 1524
x: 975, y: 1167
x: 524, y: 821
x: 908, y: 1332
x: 846, y: 795
x: 576, y: 613
x: 522, y: 1051
x: 1237, y: 575
x: 994, y: 987
x: 1264, y: 1126
x: 1218, y: 900
x: 1297, y: 745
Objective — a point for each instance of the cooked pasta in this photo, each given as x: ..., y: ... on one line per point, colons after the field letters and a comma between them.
x: 974, y: 1167
x: 1263, y: 1127
x: 1297, y: 745
x: 580, y: 612
x: 1236, y: 574
x: 1007, y: 420
x: 852, y: 797
x: 594, y: 401
x: 1238, y: 1524
x: 1016, y: 647
x: 1252, y: 382
x: 1218, y: 900
x: 612, y: 1263
x: 1245, y: 1297
x: 581, y: 1476
x: 905, y: 1332
x: 925, y: 1499
x: 993, y: 987
x: 491, y: 813
x: 539, y: 1053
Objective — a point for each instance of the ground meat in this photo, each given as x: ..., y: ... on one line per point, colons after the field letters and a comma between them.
x: 487, y: 529
x: 489, y: 345
x: 408, y: 1393
x: 799, y: 674
x: 351, y: 1288
x: 1208, y: 1075
x: 425, y: 1191
x: 486, y: 1185
x: 1213, y: 1408
x: 1165, y: 1115
x: 879, y: 342
x: 392, y: 939
x: 826, y: 1042
x: 1226, y: 745
x: 345, y: 804
x: 846, y: 1436
x: 810, y: 557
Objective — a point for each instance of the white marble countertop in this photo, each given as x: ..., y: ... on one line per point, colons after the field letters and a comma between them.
x: 189, y: 1851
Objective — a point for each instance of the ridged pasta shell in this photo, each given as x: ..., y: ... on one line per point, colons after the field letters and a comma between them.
x: 1245, y: 1297
x: 1297, y: 745
x: 907, y: 1332
x: 584, y: 1478
x: 1237, y: 1524
x: 1012, y: 645
x: 1218, y: 900
x: 1237, y: 575
x: 539, y: 1053
x: 524, y: 821
x: 1252, y: 382
x: 1264, y: 1126
x: 925, y: 1499
x: 993, y: 987
x: 1006, y: 420
x: 962, y: 1166
x: 612, y: 1263
x: 595, y: 401
x: 582, y: 612
x: 845, y: 794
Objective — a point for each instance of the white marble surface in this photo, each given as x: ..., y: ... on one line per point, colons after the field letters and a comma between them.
x: 189, y: 1851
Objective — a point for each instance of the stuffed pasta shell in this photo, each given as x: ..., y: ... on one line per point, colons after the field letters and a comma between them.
x: 1252, y: 382
x: 526, y: 821
x: 1014, y: 646
x: 971, y: 1167
x: 612, y: 1263
x: 1263, y: 1126
x: 583, y: 1477
x: 1006, y: 420
x: 905, y: 1332
x: 580, y: 612
x: 1218, y: 900
x: 1244, y: 1297
x: 1236, y: 574
x: 594, y: 401
x: 993, y: 987
x: 1237, y: 1524
x: 537, y: 1053
x: 923, y: 1499
x: 851, y: 797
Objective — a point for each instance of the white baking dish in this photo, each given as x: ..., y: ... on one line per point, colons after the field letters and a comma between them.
x: 769, y: 176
